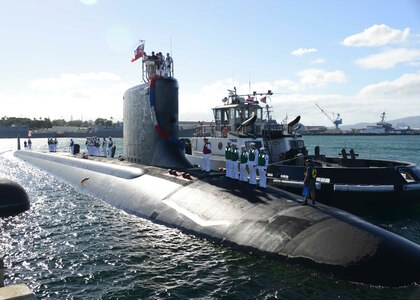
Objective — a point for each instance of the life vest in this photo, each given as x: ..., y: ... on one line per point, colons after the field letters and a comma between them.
x: 228, y: 152
x: 234, y: 156
x: 244, y: 158
x: 206, y: 150
x: 261, y: 160
x: 251, y: 155
x: 110, y: 144
x: 313, y: 173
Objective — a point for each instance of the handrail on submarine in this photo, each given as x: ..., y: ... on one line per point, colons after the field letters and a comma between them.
x: 149, y: 70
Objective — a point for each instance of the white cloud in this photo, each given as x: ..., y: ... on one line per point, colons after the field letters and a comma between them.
x: 321, y: 78
x: 91, y: 95
x: 88, y: 2
x: 286, y: 85
x: 69, y: 80
x: 377, y: 35
x: 318, y: 61
x: 407, y: 85
x: 389, y: 58
x: 302, y: 51
x: 399, y: 98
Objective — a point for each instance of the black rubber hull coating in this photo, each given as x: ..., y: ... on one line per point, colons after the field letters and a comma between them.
x: 270, y: 222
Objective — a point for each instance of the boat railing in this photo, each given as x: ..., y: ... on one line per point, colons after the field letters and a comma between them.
x: 151, y: 69
x: 208, y: 130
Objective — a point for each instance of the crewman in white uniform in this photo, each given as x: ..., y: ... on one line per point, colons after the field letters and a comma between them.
x: 206, y: 155
x: 228, y: 153
x: 252, y: 164
x: 104, y: 147
x: 243, y: 175
x: 262, y: 167
x: 110, y: 144
x: 234, y: 162
x: 168, y: 65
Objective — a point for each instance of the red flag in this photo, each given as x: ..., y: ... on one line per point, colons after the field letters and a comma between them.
x: 138, y: 52
x: 264, y: 99
x: 250, y: 99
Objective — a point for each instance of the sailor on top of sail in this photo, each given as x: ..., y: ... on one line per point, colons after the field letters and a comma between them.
x: 262, y: 167
x: 168, y: 65
x: 228, y: 154
x: 252, y: 164
x: 244, y: 162
x: 206, y: 155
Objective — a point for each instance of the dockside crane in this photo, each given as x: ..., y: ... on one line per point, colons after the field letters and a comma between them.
x: 337, y: 121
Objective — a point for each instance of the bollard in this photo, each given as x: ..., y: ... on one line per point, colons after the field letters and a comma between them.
x: 18, y: 142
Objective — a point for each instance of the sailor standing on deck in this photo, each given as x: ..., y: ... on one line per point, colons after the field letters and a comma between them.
x: 55, y: 142
x: 104, y: 147
x: 252, y: 164
x: 228, y: 154
x: 71, y: 146
x: 206, y: 155
x: 243, y: 163
x: 110, y: 144
x: 234, y: 162
x: 262, y: 167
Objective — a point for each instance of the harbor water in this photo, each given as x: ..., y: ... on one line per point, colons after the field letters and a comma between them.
x: 73, y: 246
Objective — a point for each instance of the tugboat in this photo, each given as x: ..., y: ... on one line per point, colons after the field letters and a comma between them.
x: 349, y: 182
x: 240, y: 121
x: 346, y: 181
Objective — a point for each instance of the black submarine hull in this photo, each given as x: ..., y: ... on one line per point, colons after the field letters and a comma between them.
x: 235, y: 214
x: 271, y: 222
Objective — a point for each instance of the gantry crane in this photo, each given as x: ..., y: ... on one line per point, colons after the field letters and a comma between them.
x: 337, y: 121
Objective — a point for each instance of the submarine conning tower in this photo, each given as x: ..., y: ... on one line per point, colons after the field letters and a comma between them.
x: 150, y: 112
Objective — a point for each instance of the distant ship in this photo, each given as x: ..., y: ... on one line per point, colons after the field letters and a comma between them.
x: 381, y: 127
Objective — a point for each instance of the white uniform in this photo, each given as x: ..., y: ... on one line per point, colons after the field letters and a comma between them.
x: 228, y: 161
x: 243, y: 159
x: 168, y: 65
x: 206, y: 157
x: 110, y: 144
x: 262, y: 168
x: 252, y: 165
x: 104, y: 147
x: 234, y: 163
x: 71, y: 146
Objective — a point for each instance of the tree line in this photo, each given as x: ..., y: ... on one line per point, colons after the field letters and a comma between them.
x: 40, y: 123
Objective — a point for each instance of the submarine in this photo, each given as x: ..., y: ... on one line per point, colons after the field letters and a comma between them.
x: 156, y: 182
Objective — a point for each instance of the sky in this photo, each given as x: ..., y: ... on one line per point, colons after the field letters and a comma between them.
x: 70, y: 59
